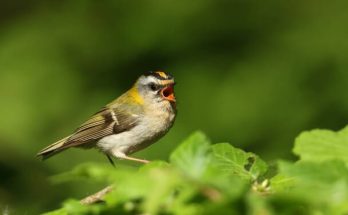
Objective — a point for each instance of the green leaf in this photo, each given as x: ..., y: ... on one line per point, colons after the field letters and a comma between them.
x: 193, y: 155
x: 57, y: 212
x: 164, y: 182
x: 323, y: 185
x: 323, y: 172
x: 154, y: 165
x: 237, y: 162
x: 93, y: 171
x: 320, y: 145
x: 281, y: 183
x: 194, y: 158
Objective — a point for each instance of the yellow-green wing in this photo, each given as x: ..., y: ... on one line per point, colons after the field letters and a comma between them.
x: 106, y: 122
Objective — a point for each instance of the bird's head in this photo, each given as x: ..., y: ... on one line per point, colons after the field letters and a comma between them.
x: 155, y: 87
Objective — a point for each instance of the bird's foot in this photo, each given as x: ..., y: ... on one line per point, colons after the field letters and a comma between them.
x: 123, y: 156
x: 136, y: 159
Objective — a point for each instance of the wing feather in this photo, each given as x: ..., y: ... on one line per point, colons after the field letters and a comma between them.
x: 106, y: 122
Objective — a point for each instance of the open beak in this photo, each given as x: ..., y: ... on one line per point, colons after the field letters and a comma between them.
x: 168, y: 93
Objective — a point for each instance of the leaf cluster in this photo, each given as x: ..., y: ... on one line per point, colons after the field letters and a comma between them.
x: 205, y: 178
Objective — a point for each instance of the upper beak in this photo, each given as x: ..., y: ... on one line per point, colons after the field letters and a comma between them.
x: 168, y: 93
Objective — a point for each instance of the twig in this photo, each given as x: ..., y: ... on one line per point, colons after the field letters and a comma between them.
x: 96, y: 197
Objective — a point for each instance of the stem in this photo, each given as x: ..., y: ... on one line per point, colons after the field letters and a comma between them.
x: 96, y: 197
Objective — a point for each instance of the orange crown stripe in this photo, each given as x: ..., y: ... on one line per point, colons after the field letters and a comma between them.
x: 162, y: 74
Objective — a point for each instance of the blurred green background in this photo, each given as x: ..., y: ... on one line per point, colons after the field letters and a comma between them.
x: 252, y: 73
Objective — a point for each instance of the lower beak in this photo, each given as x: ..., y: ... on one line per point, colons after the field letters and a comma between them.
x: 168, y: 93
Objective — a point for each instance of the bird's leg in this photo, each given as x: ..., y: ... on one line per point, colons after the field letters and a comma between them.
x: 122, y: 155
x: 136, y: 159
x: 110, y: 160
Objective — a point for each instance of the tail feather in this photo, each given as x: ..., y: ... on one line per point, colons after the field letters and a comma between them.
x: 52, y: 149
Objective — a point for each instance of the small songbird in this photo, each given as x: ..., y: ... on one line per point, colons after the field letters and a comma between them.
x: 128, y: 124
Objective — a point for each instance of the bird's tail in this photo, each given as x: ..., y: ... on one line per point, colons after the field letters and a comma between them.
x: 52, y: 149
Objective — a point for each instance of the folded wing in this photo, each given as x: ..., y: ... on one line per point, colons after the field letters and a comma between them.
x: 106, y: 122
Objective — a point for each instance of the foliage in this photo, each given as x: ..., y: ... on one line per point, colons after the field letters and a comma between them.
x: 252, y: 73
x: 206, y: 178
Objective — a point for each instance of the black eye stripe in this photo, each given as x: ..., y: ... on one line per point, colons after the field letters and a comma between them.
x: 154, y: 86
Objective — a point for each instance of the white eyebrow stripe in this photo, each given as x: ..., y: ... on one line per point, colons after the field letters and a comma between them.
x: 150, y: 79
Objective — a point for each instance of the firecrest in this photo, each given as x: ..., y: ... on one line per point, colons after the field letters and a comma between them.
x: 133, y: 121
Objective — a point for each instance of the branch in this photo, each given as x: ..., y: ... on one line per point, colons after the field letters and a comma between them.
x: 96, y: 197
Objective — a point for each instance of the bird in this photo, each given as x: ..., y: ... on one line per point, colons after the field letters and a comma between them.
x: 132, y: 122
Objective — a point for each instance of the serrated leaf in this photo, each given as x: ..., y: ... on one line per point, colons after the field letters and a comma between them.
x: 323, y: 185
x: 193, y: 155
x: 324, y: 172
x: 281, y: 183
x: 164, y: 183
x: 320, y: 145
x: 150, y: 188
x: 237, y: 162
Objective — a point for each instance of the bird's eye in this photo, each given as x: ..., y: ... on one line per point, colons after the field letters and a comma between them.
x: 153, y: 86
